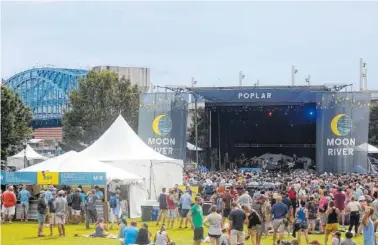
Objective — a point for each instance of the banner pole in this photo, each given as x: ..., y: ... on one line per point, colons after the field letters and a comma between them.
x: 196, y: 128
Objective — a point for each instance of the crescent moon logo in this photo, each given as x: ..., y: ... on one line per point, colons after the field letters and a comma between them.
x: 341, y: 125
x: 162, y: 125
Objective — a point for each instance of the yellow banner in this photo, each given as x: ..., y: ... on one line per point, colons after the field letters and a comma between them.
x: 194, y: 190
x: 47, y: 178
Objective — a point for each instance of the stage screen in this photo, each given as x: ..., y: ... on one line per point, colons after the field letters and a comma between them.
x: 237, y: 132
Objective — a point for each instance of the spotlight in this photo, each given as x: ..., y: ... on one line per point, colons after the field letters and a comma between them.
x: 270, y: 114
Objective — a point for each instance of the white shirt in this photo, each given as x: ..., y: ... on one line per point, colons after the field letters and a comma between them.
x: 161, y: 238
x: 354, y: 206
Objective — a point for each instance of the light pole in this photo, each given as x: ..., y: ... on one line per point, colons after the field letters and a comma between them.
x: 24, y: 144
x: 56, y: 147
x: 293, y: 72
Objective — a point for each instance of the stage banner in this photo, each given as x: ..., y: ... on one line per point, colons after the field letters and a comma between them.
x: 257, y: 95
x: 342, y: 126
x: 163, y: 123
x: 19, y: 178
x: 47, y: 178
x: 82, y: 178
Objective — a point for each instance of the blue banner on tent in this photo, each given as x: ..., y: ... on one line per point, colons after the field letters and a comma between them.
x: 18, y: 178
x: 257, y: 170
x: 2, y: 177
x: 82, y: 178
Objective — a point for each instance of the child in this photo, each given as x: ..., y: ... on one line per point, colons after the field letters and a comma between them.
x: 348, y: 240
x: 225, y: 238
x: 336, y: 238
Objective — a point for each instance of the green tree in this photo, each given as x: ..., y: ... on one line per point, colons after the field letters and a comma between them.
x: 373, y: 125
x: 15, y: 121
x: 201, y: 128
x: 97, y: 102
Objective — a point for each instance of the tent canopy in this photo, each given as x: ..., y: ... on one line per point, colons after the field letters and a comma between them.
x: 120, y: 142
x: 75, y: 162
x: 368, y: 148
x: 30, y: 154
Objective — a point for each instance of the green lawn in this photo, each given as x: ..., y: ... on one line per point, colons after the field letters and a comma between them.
x: 25, y: 234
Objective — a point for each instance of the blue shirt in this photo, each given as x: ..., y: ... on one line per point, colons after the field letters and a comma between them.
x: 130, y: 233
x: 83, y: 197
x: 99, y: 194
x: 279, y: 210
x: 24, y: 196
x: 48, y: 195
x: 186, y: 201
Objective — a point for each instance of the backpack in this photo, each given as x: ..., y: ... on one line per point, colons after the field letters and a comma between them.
x: 209, y: 189
x: 113, y: 202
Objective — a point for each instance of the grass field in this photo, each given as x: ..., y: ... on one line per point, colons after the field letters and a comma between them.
x: 25, y: 234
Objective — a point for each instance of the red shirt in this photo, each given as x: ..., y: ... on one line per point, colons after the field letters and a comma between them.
x: 171, y: 202
x: 340, y: 200
x: 9, y: 199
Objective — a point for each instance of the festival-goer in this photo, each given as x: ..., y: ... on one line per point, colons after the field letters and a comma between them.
x: 24, y: 196
x: 368, y: 227
x: 195, y: 216
x: 130, y: 233
x: 301, y: 222
x: 51, y: 211
x: 227, y: 199
x: 340, y: 200
x: 163, y: 206
x: 60, y: 212
x: 144, y: 235
x: 161, y: 237
x: 76, y: 206
x: 254, y: 224
x: 91, y: 212
x: 185, y: 203
x: 214, y: 222
x: 354, y: 209
x: 9, y: 202
x: 100, y: 229
x: 115, y: 205
x: 279, y: 212
x: 332, y: 220
x: 336, y: 238
x: 42, y: 210
x: 171, y: 205
x: 348, y: 239
x: 236, y: 218
x: 99, y: 193
x: 121, y: 228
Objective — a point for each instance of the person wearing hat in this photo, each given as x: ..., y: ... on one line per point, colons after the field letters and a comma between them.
x: 42, y: 210
x: 60, y: 212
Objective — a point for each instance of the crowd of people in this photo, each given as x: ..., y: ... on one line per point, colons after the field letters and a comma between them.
x: 234, y: 206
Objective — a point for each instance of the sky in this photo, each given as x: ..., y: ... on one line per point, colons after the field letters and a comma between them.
x: 210, y: 41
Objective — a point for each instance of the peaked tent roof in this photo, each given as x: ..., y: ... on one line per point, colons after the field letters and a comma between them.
x: 31, y: 154
x: 120, y: 142
x: 75, y: 162
x: 368, y: 148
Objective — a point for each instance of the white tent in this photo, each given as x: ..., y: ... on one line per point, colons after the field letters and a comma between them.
x: 75, y: 162
x: 368, y: 148
x: 18, y: 160
x: 121, y: 147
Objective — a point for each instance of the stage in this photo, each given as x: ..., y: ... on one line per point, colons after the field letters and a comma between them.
x: 312, y: 122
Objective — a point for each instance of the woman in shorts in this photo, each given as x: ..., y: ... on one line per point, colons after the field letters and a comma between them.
x: 332, y: 220
x: 214, y: 222
x: 254, y: 227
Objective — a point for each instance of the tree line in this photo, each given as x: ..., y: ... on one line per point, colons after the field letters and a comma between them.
x: 94, y: 105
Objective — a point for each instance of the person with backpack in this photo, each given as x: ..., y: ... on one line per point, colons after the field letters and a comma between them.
x: 313, y: 210
x: 301, y: 222
x: 254, y: 226
x: 115, y: 206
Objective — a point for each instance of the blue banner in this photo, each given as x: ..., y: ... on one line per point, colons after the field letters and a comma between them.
x: 2, y: 177
x: 82, y: 178
x: 342, y: 126
x: 20, y: 178
x: 257, y: 170
x: 258, y: 95
x: 163, y: 121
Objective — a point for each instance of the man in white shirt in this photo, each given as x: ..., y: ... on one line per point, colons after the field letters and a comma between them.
x: 245, y: 200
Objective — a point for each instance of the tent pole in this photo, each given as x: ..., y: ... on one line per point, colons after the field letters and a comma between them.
x: 106, y: 211
x: 219, y: 145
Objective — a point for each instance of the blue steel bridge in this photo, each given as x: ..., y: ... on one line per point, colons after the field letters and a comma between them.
x: 46, y: 91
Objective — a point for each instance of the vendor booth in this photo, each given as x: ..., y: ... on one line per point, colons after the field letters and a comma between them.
x: 121, y: 147
x: 18, y: 161
x: 73, y: 162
